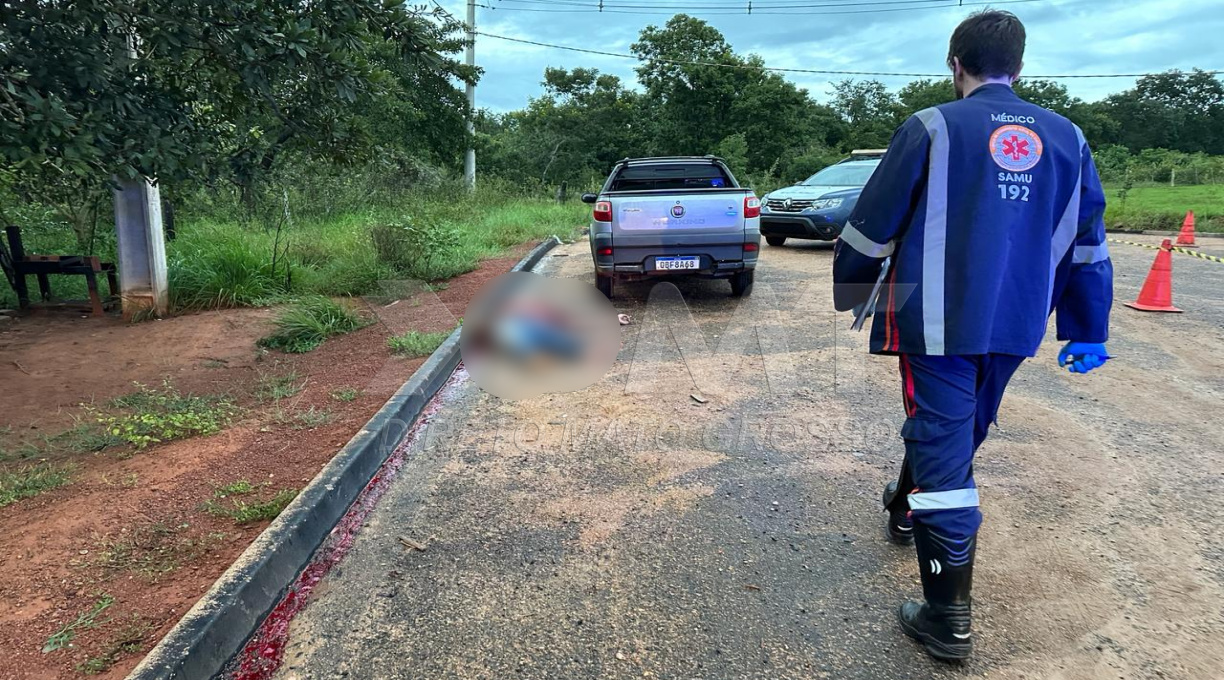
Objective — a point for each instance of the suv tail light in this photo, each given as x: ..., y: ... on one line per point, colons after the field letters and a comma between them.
x: 603, y: 211
x: 751, y: 247
x: 752, y: 207
x: 604, y: 251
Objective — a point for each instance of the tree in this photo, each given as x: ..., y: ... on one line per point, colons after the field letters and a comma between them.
x: 699, y: 92
x: 1173, y: 110
x: 169, y: 89
x: 924, y: 94
x: 869, y: 109
x: 584, y: 122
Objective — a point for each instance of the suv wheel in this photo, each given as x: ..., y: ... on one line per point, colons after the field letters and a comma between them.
x: 604, y: 284
x: 741, y: 283
x: 776, y: 241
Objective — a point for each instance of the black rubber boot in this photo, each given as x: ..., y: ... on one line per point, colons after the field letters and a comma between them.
x: 900, y: 529
x: 942, y: 623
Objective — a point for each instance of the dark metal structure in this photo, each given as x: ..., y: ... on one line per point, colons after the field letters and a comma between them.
x: 17, y: 265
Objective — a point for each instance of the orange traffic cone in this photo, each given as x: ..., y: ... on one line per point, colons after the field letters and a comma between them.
x: 1186, y: 237
x: 1157, y: 292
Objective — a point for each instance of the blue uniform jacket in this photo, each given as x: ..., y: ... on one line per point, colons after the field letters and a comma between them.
x: 992, y: 211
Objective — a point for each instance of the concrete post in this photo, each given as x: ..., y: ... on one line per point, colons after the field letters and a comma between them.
x: 142, y: 249
x: 469, y: 157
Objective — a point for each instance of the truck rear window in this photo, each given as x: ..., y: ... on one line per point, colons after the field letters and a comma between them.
x: 670, y: 176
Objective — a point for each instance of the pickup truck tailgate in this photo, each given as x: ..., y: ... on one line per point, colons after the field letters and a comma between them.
x: 706, y: 212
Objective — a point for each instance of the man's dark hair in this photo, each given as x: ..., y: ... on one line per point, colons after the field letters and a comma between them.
x: 989, y: 44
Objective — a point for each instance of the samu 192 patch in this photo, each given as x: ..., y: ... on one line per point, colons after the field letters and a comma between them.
x: 1015, y: 148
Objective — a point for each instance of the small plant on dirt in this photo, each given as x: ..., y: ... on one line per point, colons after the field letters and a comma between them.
x: 238, y: 488
x: 276, y: 387
x: 150, y: 416
x: 301, y: 419
x: 128, y: 481
x: 416, y: 343
x: 245, y: 513
x: 150, y: 551
x: 305, y: 324
x: 126, y: 640
x: 29, y: 481
x: 86, y: 620
x: 82, y: 438
x: 347, y: 394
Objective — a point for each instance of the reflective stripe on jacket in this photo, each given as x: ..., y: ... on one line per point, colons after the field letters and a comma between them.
x: 992, y: 211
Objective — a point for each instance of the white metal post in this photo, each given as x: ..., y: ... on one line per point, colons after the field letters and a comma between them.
x: 469, y: 158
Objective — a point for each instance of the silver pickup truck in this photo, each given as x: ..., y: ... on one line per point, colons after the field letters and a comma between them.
x: 677, y: 215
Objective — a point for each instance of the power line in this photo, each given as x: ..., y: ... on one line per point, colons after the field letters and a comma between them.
x: 735, y: 5
x: 683, y: 62
x: 745, y: 8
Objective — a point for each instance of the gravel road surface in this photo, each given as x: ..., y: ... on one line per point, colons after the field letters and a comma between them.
x: 630, y: 531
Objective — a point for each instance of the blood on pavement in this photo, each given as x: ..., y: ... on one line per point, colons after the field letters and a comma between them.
x: 262, y: 655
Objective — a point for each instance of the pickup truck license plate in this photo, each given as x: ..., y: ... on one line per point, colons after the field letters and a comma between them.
x: 669, y: 263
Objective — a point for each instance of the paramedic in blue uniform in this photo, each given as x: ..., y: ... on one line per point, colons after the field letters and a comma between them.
x: 991, y: 210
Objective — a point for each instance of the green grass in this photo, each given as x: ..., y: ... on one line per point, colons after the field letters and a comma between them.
x: 150, y: 551
x: 151, y: 416
x: 243, y: 512
x: 29, y: 481
x: 127, y: 640
x: 305, y: 324
x: 416, y: 343
x: 238, y: 488
x: 273, y: 387
x: 301, y: 419
x: 347, y: 394
x: 223, y: 258
x: 83, y: 437
x: 1163, y: 208
x: 139, y: 419
x: 86, y: 620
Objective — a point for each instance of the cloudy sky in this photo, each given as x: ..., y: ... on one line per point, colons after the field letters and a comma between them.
x: 1064, y: 37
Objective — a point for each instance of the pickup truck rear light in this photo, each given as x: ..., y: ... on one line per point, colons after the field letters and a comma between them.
x: 602, y: 212
x: 751, y: 247
x: 752, y: 207
x: 604, y: 251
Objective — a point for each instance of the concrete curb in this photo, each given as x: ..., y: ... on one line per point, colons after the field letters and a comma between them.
x: 220, y: 623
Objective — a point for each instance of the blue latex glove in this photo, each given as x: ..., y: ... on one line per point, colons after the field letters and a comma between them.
x: 1083, y: 357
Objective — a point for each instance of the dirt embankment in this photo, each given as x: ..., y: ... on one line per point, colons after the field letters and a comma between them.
x: 104, y: 566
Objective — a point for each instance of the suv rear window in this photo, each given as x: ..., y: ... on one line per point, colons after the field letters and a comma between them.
x: 665, y: 176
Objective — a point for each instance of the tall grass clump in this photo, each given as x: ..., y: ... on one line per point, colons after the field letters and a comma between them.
x: 223, y: 271
x: 305, y: 324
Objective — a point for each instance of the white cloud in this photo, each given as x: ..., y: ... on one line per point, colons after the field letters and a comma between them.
x: 1065, y: 37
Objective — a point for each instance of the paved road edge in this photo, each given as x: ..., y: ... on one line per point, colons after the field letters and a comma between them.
x: 220, y: 623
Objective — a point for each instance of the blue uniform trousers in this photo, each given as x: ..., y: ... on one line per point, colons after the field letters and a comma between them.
x: 950, y: 402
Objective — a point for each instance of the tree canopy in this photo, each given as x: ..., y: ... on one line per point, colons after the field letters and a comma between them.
x: 696, y: 95
x: 169, y: 89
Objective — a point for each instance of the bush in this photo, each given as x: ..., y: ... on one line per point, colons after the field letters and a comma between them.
x: 423, y: 248
x: 305, y: 324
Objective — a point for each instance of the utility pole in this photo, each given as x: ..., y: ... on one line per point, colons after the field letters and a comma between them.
x: 469, y: 158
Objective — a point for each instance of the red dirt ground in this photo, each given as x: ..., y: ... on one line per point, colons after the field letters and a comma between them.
x: 124, y: 517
